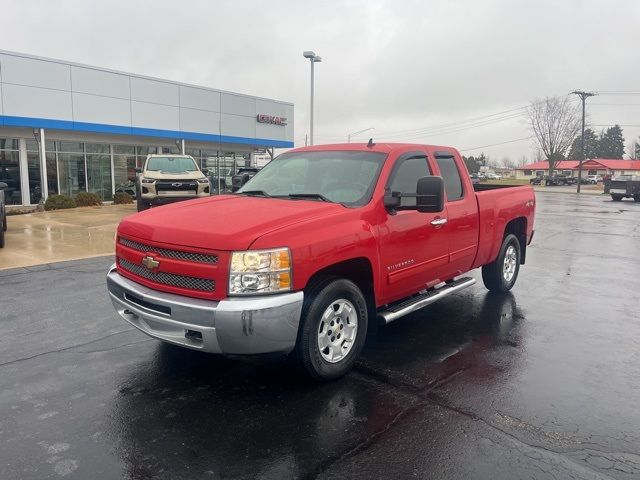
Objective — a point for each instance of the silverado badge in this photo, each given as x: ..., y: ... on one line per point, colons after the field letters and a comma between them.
x: 150, y: 262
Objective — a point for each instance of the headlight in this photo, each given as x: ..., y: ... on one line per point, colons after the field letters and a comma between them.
x: 148, y: 180
x: 203, y: 180
x: 260, y: 271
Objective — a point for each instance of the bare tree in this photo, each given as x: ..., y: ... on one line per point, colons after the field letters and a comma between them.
x: 522, y: 161
x: 555, y: 122
x: 508, y: 163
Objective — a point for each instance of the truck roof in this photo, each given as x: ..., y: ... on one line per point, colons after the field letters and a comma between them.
x: 383, y: 147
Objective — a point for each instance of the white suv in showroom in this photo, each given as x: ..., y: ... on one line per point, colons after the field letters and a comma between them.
x: 170, y: 178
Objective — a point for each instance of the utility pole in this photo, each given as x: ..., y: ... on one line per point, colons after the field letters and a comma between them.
x: 313, y: 58
x: 583, y: 97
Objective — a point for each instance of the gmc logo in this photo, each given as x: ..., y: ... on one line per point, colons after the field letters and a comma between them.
x: 273, y: 120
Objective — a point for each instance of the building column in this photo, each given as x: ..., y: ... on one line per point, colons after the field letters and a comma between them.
x: 113, y: 174
x: 24, y: 172
x: 44, y: 185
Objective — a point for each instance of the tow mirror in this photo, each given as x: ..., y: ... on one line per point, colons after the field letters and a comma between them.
x: 429, y: 197
x: 3, y: 186
x: 430, y: 194
x: 138, y: 170
x: 205, y: 171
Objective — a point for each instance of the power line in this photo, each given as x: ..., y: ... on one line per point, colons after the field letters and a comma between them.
x: 496, y: 144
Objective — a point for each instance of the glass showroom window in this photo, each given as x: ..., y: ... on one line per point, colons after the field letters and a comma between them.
x: 10, y: 170
x: 71, y: 171
x: 99, y: 170
x: 33, y: 165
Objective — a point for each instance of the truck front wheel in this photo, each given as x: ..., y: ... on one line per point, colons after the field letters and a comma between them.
x: 616, y: 198
x: 501, y: 274
x: 332, y: 331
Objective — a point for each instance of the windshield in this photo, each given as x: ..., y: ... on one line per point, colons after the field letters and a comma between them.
x: 345, y: 177
x: 171, y: 164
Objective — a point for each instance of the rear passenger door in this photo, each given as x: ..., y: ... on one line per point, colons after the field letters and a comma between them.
x: 462, y: 213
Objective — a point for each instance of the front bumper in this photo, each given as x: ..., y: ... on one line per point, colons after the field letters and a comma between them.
x: 234, y: 326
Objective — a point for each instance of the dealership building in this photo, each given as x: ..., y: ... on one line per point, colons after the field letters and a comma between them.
x: 67, y: 128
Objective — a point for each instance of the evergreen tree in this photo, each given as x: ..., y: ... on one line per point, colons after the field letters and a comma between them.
x: 591, y: 146
x: 611, y: 143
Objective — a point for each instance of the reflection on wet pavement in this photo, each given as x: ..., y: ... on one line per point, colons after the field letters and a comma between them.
x: 46, y: 237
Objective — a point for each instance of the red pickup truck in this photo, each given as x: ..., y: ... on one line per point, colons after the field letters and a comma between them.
x: 322, y: 245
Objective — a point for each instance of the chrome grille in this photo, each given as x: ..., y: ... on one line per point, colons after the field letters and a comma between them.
x: 190, y: 283
x: 166, y: 252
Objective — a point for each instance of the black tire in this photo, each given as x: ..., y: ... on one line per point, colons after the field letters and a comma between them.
x: 2, y: 230
x: 142, y: 206
x: 616, y: 198
x: 318, y: 300
x: 636, y: 198
x: 493, y: 275
x: 4, y: 223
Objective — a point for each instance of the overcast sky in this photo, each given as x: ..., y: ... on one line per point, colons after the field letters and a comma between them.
x: 403, y: 67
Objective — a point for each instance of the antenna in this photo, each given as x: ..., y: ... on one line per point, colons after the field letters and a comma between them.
x: 370, y: 144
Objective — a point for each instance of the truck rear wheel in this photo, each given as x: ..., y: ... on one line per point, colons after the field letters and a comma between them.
x: 2, y: 230
x: 502, y: 273
x: 332, y: 331
x: 616, y: 198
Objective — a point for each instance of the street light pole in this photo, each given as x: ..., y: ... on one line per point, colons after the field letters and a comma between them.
x: 358, y: 133
x: 583, y: 97
x: 313, y: 58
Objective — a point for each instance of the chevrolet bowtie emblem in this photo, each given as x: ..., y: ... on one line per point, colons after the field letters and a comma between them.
x: 150, y: 262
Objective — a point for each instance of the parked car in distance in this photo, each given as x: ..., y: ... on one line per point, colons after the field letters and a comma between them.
x: 474, y: 178
x: 536, y: 180
x: 593, y: 179
x: 3, y: 213
x: 555, y: 180
x: 319, y: 247
x: 242, y: 176
x: 494, y: 176
x: 169, y: 178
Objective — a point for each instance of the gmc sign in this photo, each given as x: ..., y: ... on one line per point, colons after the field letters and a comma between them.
x: 273, y: 120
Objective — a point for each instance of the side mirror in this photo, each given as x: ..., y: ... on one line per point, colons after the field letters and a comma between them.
x: 205, y: 171
x: 429, y: 197
x: 3, y: 186
x: 430, y: 194
x: 138, y: 170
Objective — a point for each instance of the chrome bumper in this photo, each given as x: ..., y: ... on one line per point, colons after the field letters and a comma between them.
x: 235, y: 326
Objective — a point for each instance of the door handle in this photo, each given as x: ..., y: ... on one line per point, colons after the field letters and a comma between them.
x: 438, y: 222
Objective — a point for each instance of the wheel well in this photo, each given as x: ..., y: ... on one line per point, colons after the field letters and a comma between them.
x: 358, y: 270
x: 518, y: 226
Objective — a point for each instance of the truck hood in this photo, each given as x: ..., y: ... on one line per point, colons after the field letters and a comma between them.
x: 226, y: 222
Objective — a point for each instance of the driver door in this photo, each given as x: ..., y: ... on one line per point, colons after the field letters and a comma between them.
x: 414, y: 248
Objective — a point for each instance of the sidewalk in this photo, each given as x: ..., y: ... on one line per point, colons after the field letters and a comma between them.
x: 47, y: 237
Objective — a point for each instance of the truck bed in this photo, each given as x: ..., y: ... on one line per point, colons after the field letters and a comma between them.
x: 497, y: 205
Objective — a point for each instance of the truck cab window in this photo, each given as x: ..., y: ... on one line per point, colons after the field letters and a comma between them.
x: 405, y: 177
x: 451, y: 177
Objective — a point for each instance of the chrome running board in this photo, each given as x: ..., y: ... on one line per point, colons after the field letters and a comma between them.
x: 416, y: 303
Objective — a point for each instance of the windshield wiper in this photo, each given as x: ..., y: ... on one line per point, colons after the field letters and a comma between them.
x: 315, y: 196
x: 259, y: 193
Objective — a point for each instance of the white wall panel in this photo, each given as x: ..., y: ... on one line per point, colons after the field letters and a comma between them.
x: 23, y: 101
x: 238, y: 126
x: 151, y: 115
x: 238, y: 105
x: 199, y: 121
x: 269, y: 107
x: 199, y: 98
x: 154, y: 91
x: 99, y: 82
x: 35, y: 73
x: 97, y: 109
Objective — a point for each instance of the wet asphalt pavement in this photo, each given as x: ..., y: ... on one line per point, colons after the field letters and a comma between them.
x: 541, y: 383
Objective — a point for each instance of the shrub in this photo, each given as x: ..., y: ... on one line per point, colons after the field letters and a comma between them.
x: 59, y: 202
x: 84, y: 199
x: 122, y: 198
